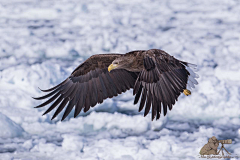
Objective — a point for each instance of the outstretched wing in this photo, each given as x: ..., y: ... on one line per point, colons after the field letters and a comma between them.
x: 160, y: 82
x: 90, y: 83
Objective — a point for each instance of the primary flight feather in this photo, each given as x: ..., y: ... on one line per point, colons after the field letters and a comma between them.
x: 156, y: 77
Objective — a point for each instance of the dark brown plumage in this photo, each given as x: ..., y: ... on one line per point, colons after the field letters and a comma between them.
x: 156, y: 77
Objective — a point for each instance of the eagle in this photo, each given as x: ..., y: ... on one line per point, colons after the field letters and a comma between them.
x: 157, y: 80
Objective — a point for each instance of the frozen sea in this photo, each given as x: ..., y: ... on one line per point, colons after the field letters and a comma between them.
x: 42, y: 41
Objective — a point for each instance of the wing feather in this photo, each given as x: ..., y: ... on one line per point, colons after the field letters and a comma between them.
x: 48, y: 101
x: 54, y: 104
x: 71, y: 103
x: 60, y: 108
x: 138, y: 95
x: 148, y: 103
x: 143, y: 99
x: 48, y: 90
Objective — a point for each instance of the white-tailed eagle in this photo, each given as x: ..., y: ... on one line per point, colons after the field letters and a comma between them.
x: 156, y: 77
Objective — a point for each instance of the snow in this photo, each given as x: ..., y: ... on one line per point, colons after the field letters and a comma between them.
x: 41, y: 43
x: 9, y: 128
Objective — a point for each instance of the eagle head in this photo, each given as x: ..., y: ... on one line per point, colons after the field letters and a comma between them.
x: 121, y: 63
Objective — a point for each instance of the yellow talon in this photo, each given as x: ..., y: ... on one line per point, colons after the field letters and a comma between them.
x: 186, y: 92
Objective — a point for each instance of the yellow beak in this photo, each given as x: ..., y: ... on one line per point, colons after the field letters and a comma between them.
x: 112, y: 66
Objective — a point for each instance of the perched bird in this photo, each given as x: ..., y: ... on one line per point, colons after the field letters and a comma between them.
x: 155, y: 76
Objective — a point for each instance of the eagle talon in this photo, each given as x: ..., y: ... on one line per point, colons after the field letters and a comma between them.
x: 186, y: 92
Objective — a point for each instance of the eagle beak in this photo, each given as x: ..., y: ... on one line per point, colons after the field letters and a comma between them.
x: 112, y: 66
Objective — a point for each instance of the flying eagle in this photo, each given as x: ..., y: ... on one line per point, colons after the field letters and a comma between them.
x: 155, y: 76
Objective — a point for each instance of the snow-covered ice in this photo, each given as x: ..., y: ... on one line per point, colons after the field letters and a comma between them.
x: 41, y: 42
